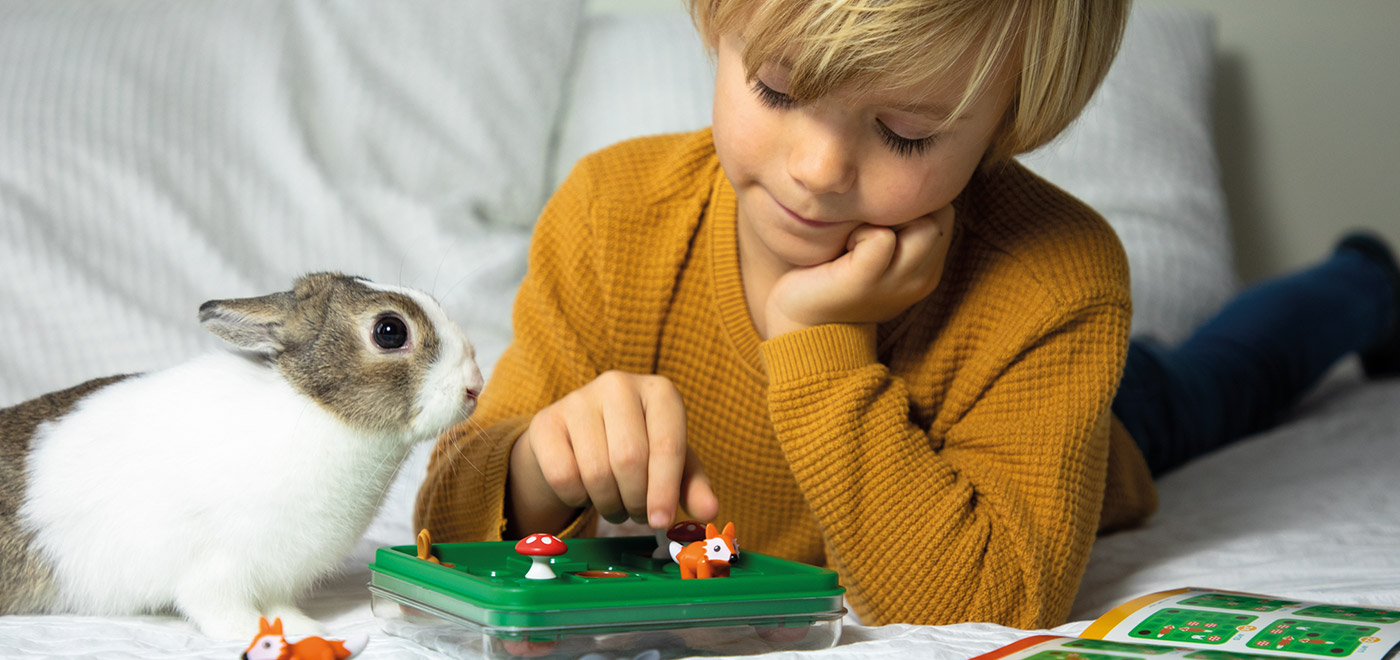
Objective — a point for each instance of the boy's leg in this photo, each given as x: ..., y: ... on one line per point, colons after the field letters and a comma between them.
x: 1242, y: 371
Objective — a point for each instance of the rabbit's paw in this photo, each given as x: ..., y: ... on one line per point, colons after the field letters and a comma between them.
x: 223, y: 622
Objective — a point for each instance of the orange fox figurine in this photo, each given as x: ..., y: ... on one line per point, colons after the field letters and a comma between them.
x: 710, y: 557
x: 271, y: 645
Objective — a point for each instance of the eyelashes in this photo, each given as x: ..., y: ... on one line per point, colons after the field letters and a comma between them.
x: 900, y: 145
x: 772, y: 98
x: 904, y: 146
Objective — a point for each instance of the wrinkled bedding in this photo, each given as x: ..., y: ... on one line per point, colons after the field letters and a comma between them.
x: 1307, y: 511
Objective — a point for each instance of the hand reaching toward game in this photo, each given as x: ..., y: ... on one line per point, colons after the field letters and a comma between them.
x: 618, y: 443
x: 883, y: 272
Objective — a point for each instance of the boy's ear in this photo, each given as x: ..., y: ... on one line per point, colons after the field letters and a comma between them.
x: 251, y: 324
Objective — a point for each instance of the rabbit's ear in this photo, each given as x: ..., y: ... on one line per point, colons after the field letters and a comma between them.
x: 252, y: 324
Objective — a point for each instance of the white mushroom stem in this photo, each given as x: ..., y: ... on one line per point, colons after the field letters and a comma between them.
x: 539, y: 569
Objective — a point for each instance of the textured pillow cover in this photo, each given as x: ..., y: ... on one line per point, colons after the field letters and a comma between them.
x: 155, y: 154
x: 1142, y: 153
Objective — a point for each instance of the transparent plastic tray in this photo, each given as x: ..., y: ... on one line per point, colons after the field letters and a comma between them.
x: 485, y: 607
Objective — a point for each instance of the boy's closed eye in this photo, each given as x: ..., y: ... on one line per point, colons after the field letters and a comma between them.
x: 904, y: 146
x: 771, y: 97
x: 894, y: 132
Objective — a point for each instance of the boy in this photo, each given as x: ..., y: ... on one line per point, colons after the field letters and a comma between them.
x: 842, y: 318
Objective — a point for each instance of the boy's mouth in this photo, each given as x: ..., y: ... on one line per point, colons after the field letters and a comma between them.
x: 809, y: 222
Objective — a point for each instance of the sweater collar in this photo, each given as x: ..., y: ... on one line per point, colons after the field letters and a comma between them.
x: 732, y: 306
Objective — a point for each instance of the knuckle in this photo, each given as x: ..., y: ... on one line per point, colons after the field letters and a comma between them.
x: 614, y: 378
x: 570, y: 402
x: 658, y: 385
x: 596, y: 476
x: 629, y: 459
x: 567, y: 488
x: 545, y: 418
x: 668, y: 444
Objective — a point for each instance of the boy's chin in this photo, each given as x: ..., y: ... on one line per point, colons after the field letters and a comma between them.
x: 805, y: 254
x: 797, y: 250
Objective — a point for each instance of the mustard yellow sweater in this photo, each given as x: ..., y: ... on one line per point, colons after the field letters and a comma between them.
x: 954, y: 464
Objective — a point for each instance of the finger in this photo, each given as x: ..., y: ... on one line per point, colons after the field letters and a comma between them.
x: 923, y: 247
x: 548, y: 439
x: 863, y: 233
x: 665, y: 421
x: 626, y: 429
x: 916, y: 246
x: 588, y: 435
x: 697, y: 495
x: 869, y: 250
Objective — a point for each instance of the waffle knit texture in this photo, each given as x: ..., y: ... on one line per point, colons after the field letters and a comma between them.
x: 953, y: 464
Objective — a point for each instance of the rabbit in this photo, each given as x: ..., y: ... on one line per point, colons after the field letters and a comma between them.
x: 225, y: 486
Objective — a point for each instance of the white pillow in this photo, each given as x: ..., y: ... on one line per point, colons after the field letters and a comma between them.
x: 1142, y: 154
x: 636, y: 74
x: 160, y: 153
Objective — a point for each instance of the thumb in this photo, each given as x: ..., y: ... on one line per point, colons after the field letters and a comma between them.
x: 697, y: 496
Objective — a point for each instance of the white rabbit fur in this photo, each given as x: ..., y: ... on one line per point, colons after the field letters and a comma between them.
x: 217, y: 487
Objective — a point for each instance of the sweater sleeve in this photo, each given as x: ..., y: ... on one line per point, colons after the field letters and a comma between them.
x: 556, y: 329
x: 987, y: 517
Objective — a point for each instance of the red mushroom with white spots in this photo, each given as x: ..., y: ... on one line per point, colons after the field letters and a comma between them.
x: 684, y: 532
x: 539, y: 548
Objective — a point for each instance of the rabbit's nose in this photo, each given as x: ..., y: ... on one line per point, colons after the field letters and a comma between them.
x: 469, y: 400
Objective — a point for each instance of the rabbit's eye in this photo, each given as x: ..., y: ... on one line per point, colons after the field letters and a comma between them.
x: 390, y: 332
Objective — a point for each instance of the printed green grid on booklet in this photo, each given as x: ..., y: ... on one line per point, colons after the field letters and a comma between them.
x: 1203, y: 624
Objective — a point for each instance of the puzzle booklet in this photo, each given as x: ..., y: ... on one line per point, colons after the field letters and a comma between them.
x: 1204, y: 624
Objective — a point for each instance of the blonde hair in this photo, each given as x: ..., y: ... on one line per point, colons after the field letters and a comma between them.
x: 1064, y: 46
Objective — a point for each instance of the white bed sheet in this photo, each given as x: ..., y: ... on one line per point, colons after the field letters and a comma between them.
x: 1305, y: 511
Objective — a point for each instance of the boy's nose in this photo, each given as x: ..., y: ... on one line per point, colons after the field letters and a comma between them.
x: 821, y: 162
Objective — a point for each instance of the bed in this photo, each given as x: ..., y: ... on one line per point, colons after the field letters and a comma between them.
x: 158, y: 153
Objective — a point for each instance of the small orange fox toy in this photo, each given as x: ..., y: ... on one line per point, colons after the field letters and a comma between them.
x: 271, y: 645
x: 710, y: 557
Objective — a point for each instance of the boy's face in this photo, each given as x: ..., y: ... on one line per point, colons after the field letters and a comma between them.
x: 808, y: 174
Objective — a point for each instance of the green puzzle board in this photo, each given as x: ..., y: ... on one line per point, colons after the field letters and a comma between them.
x: 1185, y: 625
x: 1363, y: 614
x: 1061, y: 654
x: 1312, y: 637
x: 1238, y: 602
x: 487, y: 586
x: 1210, y: 654
x: 1102, y: 645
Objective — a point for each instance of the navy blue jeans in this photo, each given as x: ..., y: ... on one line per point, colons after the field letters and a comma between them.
x: 1243, y: 370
